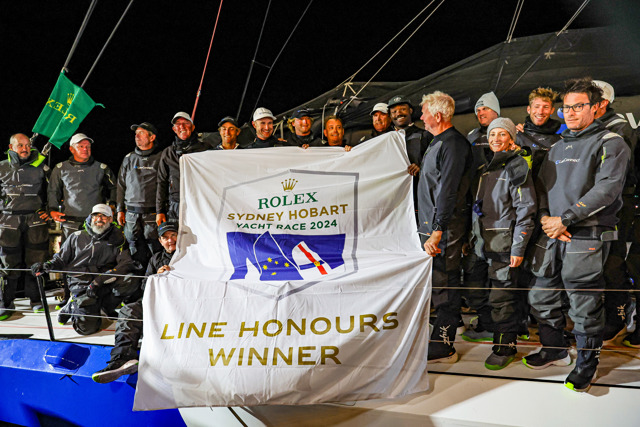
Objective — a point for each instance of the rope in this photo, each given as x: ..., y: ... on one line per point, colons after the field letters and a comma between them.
x: 471, y: 288
x: 193, y: 114
x: 391, y: 57
x: 253, y: 61
x: 514, y: 20
x: 279, y: 53
x: 106, y: 43
x: 350, y: 79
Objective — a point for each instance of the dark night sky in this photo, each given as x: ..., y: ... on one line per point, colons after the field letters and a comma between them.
x: 153, y: 65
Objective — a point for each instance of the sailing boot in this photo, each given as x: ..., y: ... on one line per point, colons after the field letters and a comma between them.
x: 586, y: 364
x: 633, y: 339
x: 554, y: 350
x: 441, y: 348
x: 504, y: 351
x: 618, y: 319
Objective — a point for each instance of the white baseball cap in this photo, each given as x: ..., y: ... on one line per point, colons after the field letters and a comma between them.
x: 380, y: 106
x: 261, y: 113
x: 79, y: 137
x: 103, y: 209
x: 607, y: 90
x: 181, y: 114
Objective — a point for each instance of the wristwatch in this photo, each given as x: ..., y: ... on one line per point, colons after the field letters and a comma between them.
x: 436, y: 227
x: 566, y: 221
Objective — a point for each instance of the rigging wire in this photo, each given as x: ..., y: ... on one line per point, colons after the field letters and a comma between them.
x: 575, y: 15
x: 253, y: 61
x: 279, y: 53
x: 514, y: 20
x: 106, y: 43
x: 350, y: 79
x: 555, y: 36
x: 195, y: 105
x: 392, y: 55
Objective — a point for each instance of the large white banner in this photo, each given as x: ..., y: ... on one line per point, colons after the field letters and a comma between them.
x: 298, y: 279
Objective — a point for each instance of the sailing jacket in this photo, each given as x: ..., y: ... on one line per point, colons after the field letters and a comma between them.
x: 505, y: 206
x: 539, y: 139
x: 157, y: 260
x: 272, y: 141
x: 137, y: 181
x: 77, y: 187
x: 294, y: 140
x: 23, y: 183
x: 616, y: 123
x: 445, y: 176
x: 87, y: 252
x: 168, y: 189
x: 582, y: 177
x: 482, y: 154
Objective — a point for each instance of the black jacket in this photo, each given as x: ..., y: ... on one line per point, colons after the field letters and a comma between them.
x: 445, y: 177
x: 169, y: 170
x: 539, y: 139
x: 137, y: 180
x: 294, y: 140
x: 87, y: 252
x: 621, y: 126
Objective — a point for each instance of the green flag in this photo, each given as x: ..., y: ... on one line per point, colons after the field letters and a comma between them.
x: 66, y: 108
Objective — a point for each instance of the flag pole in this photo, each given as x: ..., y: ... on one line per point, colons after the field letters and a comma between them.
x: 47, y: 147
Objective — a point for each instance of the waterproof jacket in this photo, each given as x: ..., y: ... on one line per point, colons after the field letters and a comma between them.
x: 77, y: 187
x: 168, y: 189
x: 582, y: 177
x: 482, y: 154
x: 137, y: 180
x: 618, y: 124
x: 505, y: 206
x: 88, y: 252
x: 23, y: 183
x: 294, y: 140
x: 445, y: 177
x: 539, y: 139
x: 272, y: 141
x: 157, y: 260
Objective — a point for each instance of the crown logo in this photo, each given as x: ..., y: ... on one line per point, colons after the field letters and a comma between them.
x: 289, y: 184
x: 70, y: 97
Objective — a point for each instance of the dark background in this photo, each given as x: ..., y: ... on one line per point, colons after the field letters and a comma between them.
x: 153, y: 65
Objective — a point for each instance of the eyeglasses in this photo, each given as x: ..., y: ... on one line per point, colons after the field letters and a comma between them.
x: 575, y: 107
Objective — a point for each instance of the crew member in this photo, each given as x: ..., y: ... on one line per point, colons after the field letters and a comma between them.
x: 99, y: 248
x: 445, y: 176
x: 580, y: 192
x: 136, y: 196
x: 24, y: 232
x: 168, y: 191
x: 124, y: 355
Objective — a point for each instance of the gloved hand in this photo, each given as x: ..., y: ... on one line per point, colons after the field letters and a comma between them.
x: 40, y: 267
x: 92, y: 290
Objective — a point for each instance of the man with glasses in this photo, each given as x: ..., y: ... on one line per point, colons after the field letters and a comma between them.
x: 98, y: 248
x: 168, y: 192
x: 580, y: 191
x: 24, y: 233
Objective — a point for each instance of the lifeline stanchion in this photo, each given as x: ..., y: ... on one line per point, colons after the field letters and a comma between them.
x: 43, y: 299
